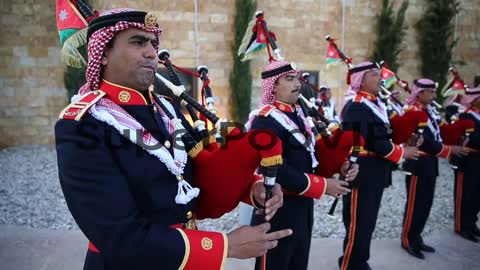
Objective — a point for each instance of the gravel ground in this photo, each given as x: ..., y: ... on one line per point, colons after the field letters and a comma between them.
x: 30, y: 195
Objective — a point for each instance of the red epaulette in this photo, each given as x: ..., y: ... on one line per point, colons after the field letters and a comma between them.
x: 76, y: 110
x: 357, y: 98
x: 266, y: 110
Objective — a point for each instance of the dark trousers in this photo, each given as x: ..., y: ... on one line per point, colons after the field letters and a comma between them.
x: 292, y: 252
x: 467, y: 200
x: 420, y: 191
x: 360, y: 212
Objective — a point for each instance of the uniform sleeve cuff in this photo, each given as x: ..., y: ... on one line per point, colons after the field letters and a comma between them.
x: 445, y: 152
x: 204, y: 250
x: 316, y: 186
x: 396, y: 154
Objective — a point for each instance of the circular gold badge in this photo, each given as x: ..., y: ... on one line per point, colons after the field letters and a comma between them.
x: 151, y: 19
x: 207, y: 243
x: 124, y: 96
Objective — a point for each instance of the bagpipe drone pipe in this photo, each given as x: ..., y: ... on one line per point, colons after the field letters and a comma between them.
x: 225, y: 173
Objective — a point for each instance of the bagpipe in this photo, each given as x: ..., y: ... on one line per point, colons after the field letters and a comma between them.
x: 408, y: 123
x: 331, y: 141
x: 352, y: 161
x: 455, y: 131
x: 453, y: 91
x: 333, y: 145
x: 317, y: 104
x: 415, y: 121
x: 223, y: 170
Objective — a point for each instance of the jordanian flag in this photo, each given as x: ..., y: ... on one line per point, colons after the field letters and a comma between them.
x: 333, y: 57
x: 389, y: 78
x: 254, y: 41
x: 69, y: 19
x: 454, y: 86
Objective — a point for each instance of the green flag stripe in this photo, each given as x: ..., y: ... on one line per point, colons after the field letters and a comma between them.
x: 65, y: 34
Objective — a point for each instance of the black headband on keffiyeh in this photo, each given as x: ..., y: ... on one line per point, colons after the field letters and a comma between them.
x: 104, y: 28
x: 282, y: 69
x: 474, y: 91
x: 425, y: 86
x: 362, y: 68
x: 113, y: 19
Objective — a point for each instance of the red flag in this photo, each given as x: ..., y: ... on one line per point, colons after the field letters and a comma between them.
x: 458, y: 85
x: 332, y: 54
x: 388, y: 77
x: 72, y: 28
x: 261, y: 34
x: 68, y: 16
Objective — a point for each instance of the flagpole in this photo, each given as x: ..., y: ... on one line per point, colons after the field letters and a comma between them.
x: 455, y: 29
x: 339, y: 100
x: 196, y: 44
x: 343, y: 25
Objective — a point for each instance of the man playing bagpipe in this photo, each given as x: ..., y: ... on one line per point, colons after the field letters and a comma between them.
x: 280, y: 114
x: 367, y: 116
x: 422, y: 173
x: 467, y: 176
x: 126, y: 181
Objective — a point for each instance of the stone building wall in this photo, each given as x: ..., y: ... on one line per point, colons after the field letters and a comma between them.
x: 31, y: 76
x: 31, y: 82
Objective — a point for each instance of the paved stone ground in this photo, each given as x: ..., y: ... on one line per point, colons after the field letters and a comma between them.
x: 23, y: 248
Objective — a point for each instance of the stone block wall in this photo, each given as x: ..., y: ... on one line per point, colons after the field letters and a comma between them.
x: 31, y: 76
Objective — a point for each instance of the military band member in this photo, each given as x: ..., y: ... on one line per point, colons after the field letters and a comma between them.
x: 134, y: 199
x: 467, y: 176
x: 327, y: 103
x: 280, y: 114
x: 422, y: 173
x: 396, y: 106
x: 367, y: 115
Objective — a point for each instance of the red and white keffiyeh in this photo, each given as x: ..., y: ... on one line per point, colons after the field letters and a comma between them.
x: 109, y: 112
x: 268, y: 97
x: 417, y: 89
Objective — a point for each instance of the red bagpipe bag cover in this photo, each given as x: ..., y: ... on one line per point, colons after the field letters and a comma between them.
x: 333, y: 151
x: 403, y: 126
x: 225, y: 174
x: 451, y: 133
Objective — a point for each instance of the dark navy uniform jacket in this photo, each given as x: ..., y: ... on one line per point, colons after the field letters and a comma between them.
x: 379, y: 153
x: 427, y: 163
x: 472, y: 161
x: 294, y: 175
x: 123, y: 198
